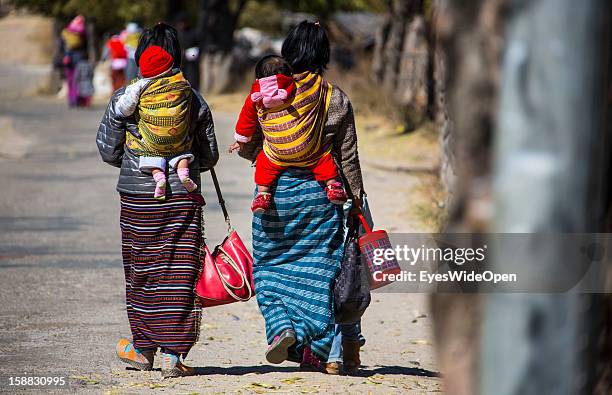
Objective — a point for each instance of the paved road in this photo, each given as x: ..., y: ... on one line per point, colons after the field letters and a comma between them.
x: 61, y: 279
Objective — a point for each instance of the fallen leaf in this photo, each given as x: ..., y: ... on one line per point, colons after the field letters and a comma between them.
x: 424, y: 342
x: 209, y: 326
x: 157, y: 385
x: 376, y: 379
x: 86, y: 380
x: 262, y: 385
x: 292, y: 380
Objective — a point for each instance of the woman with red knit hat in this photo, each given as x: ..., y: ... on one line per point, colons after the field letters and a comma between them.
x: 160, y: 117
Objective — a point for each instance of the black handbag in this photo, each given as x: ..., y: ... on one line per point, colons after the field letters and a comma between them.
x: 351, y: 288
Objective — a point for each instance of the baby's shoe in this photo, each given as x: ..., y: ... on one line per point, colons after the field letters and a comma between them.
x: 335, y: 193
x: 261, y: 203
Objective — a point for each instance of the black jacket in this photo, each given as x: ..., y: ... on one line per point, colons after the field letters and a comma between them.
x: 111, y: 145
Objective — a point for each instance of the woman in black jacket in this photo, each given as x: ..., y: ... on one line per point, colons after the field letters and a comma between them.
x: 160, y: 240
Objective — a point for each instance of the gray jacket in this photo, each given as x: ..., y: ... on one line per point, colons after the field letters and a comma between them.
x: 111, y: 145
x: 339, y: 133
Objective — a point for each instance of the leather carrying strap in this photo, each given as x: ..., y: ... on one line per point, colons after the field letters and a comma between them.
x: 220, y: 198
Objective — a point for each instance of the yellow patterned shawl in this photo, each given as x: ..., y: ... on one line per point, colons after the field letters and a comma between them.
x: 72, y: 40
x: 293, y: 132
x: 163, y: 117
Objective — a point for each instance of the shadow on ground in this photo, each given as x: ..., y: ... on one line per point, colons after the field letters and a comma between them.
x: 263, y: 369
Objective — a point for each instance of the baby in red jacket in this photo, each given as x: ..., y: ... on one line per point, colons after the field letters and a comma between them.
x: 273, y: 88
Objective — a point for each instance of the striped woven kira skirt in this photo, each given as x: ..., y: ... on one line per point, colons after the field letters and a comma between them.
x: 297, y: 250
x: 160, y: 247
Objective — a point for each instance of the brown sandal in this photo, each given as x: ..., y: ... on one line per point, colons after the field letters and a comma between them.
x: 171, y: 366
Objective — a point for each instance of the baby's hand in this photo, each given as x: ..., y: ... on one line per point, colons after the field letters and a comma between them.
x: 236, y: 146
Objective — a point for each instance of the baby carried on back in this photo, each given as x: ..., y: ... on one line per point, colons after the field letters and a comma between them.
x: 163, y: 98
x: 291, y: 112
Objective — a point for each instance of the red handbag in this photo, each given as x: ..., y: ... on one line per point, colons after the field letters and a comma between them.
x: 227, y: 273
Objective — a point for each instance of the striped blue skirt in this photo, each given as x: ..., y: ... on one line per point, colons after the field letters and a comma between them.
x: 297, y: 250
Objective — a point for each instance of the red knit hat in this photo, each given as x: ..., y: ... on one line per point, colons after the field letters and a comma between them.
x: 154, y: 61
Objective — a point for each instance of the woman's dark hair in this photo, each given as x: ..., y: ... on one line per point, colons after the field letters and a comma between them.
x: 306, y: 48
x: 271, y: 65
x: 164, y: 36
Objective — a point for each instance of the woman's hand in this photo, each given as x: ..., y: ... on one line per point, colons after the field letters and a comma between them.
x: 237, y: 146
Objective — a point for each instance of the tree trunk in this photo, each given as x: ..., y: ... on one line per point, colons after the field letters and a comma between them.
x: 603, y: 368
x: 444, y: 126
x: 412, y: 90
x: 216, y: 25
x: 382, y: 36
x: 535, y: 348
x: 173, y: 8
x: 393, y: 47
x: 93, y: 41
x: 402, y: 60
x: 550, y: 150
x: 468, y: 60
x: 470, y: 35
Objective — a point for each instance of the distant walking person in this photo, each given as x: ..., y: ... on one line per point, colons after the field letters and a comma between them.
x: 115, y: 50
x: 161, y: 240
x: 130, y: 36
x: 298, y: 243
x: 78, y: 71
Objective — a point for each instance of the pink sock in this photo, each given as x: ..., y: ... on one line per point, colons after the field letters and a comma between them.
x: 187, y: 182
x: 160, y: 177
x: 160, y: 185
x: 183, y: 173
